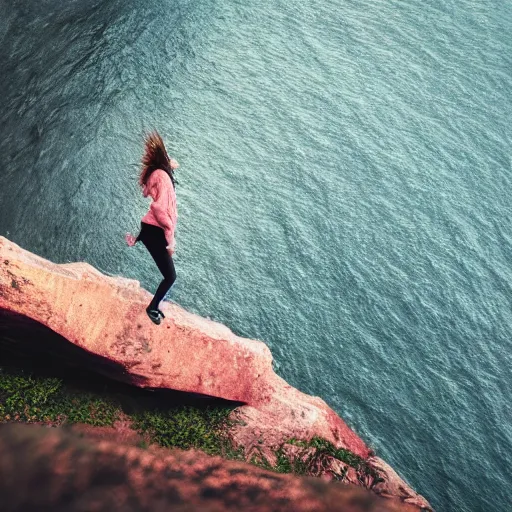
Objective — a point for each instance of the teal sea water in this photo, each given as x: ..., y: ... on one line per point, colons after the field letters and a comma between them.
x: 345, y: 195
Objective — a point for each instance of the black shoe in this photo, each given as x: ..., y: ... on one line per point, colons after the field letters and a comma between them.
x: 154, y: 315
x: 161, y: 313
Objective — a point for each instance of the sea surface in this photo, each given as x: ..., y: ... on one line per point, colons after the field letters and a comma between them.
x: 344, y: 195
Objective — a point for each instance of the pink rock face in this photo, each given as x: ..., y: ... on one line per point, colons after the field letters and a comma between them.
x: 105, y: 317
x: 64, y: 472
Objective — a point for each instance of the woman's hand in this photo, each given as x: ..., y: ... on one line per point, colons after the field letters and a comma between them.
x: 171, y: 242
x: 171, y: 247
x: 130, y: 239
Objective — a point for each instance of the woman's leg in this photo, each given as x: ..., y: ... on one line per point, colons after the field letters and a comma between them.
x: 153, y: 238
x: 166, y: 266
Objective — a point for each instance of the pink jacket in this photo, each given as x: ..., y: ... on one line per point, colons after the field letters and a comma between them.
x: 163, y: 211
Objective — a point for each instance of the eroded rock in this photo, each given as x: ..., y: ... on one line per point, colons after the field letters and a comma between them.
x: 101, y: 320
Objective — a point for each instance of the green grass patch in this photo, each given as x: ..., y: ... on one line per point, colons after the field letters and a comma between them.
x: 295, y: 465
x: 187, y: 427
x: 30, y: 399
x: 324, y: 447
x: 310, y: 458
x: 321, y: 449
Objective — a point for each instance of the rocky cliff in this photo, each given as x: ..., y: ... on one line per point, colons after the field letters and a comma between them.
x: 101, y: 321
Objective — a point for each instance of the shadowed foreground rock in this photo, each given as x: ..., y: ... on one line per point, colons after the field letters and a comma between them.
x: 100, y: 321
x: 50, y: 469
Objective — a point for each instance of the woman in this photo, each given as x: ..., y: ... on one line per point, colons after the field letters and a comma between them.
x: 158, y: 225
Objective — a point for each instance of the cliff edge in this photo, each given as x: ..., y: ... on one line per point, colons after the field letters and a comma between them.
x: 102, y: 320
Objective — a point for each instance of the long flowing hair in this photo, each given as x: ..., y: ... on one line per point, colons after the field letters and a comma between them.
x: 155, y: 157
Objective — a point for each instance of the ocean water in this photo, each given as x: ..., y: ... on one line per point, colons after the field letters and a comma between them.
x: 344, y: 195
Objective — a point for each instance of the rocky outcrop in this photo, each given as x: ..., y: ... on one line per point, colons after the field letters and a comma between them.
x: 72, y: 474
x: 102, y: 319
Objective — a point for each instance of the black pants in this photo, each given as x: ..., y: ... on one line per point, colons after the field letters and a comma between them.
x: 153, y: 238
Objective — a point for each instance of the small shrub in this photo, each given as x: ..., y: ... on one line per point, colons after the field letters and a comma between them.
x: 306, y: 464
